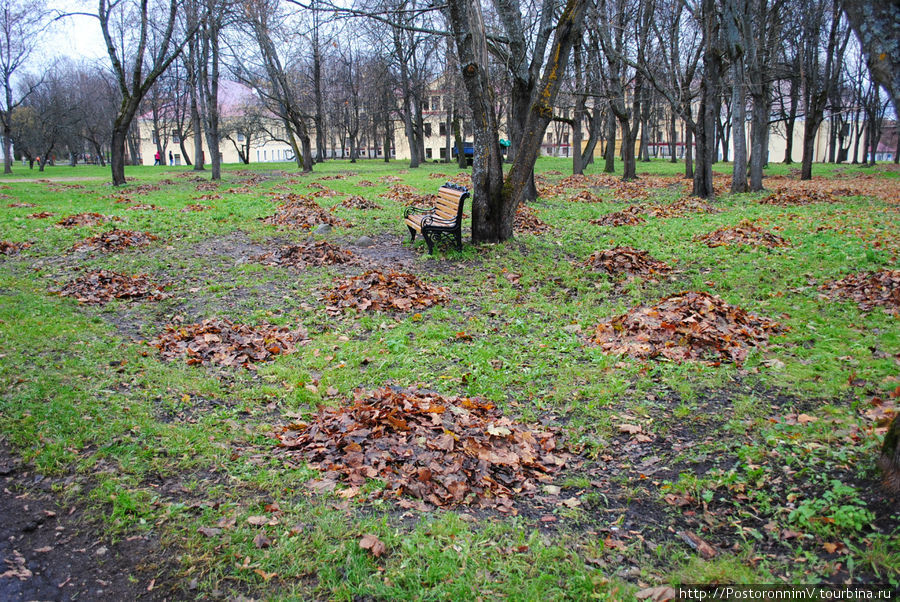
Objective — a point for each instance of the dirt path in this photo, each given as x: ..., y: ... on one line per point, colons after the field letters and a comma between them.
x: 49, y: 551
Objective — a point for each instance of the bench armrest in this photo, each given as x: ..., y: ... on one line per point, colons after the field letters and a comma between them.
x: 431, y: 220
x: 411, y: 210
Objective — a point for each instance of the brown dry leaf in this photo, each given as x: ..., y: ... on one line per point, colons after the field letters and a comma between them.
x: 695, y: 542
x: 631, y: 429
x: 257, y: 521
x: 806, y: 419
x: 373, y: 544
x: 266, y: 576
x: 838, y: 547
x: 661, y: 593
x: 678, y: 500
x: 209, y: 531
x: 261, y: 541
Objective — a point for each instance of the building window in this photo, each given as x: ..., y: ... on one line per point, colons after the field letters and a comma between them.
x: 549, y: 138
x: 427, y: 130
x: 425, y: 104
x: 264, y: 156
x: 240, y: 137
x: 154, y: 137
x: 177, y: 159
x: 442, y: 128
x: 435, y: 103
x: 565, y: 138
x: 443, y: 153
x: 427, y: 153
x: 176, y: 137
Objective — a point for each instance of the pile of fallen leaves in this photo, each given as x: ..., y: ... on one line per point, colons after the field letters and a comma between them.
x: 223, y: 342
x: 858, y: 184
x: 85, y: 219
x: 41, y: 215
x: 692, y: 325
x: 868, y: 289
x: 144, y: 207
x: 681, y: 208
x: 115, y: 240
x: 195, y: 207
x: 209, y: 196
x: 745, y: 233
x: 586, y: 196
x: 12, y: 248
x: 792, y: 198
x: 359, y: 202
x: 102, y: 286
x: 445, y: 451
x: 407, y: 195
x: 377, y: 291
x: 527, y: 221
x: 389, y: 179
x: 366, y: 183
x: 143, y: 189
x: 302, y: 212
x: 207, y: 186
x: 337, y: 176
x: 625, y: 260
x: 21, y: 205
x: 317, y: 254
x: 462, y: 179
x: 630, y: 216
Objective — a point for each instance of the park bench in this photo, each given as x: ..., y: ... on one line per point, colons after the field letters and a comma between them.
x: 444, y: 219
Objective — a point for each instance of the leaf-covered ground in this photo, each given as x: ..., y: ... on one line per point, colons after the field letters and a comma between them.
x: 603, y: 405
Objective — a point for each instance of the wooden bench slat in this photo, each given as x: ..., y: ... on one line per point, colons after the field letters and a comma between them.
x: 444, y: 217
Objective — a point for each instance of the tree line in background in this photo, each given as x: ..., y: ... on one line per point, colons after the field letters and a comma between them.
x: 689, y: 76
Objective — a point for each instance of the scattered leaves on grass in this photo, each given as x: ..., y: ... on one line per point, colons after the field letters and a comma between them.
x: 630, y: 216
x: 143, y: 189
x: 359, y: 202
x: 868, y: 289
x: 310, y: 253
x: 462, y: 179
x: 527, y: 221
x: 683, y: 207
x: 40, y: 215
x: 366, y: 183
x: 21, y: 205
x: 443, y: 450
x: 102, y: 286
x: 207, y: 186
x: 377, y: 291
x: 792, y: 198
x: 196, y: 207
x: 745, y: 233
x: 115, y: 240
x: 625, y: 261
x: 12, y: 248
x: 86, y: 219
x: 144, y: 207
x: 390, y: 179
x: 692, y: 325
x: 223, y: 342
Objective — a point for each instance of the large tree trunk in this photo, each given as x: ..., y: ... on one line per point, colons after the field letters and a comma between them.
x: 709, y: 91
x: 609, y: 153
x: 877, y: 25
x: 495, y: 201
x: 117, y: 151
x: 739, y: 174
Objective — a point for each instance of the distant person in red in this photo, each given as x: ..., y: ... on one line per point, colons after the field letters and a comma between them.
x: 156, y: 158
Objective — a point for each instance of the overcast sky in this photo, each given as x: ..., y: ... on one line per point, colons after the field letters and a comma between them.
x: 76, y: 37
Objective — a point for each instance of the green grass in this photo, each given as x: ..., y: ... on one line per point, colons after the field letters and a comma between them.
x: 79, y: 396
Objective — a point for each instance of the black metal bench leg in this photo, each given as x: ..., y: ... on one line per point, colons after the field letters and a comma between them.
x: 412, y: 234
x: 458, y: 235
x: 428, y: 242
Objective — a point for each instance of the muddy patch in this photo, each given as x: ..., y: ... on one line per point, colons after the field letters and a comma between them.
x: 51, y: 552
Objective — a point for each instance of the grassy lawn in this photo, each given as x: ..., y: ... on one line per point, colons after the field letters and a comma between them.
x: 770, y: 461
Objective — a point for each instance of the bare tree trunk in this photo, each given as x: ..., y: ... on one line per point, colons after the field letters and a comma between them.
x: 609, y: 154
x: 739, y: 173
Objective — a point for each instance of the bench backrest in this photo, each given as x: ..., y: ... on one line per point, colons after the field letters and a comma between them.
x: 449, y: 201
